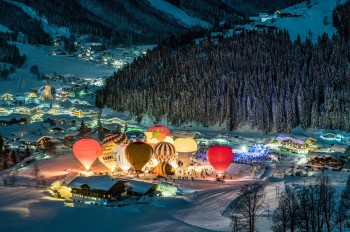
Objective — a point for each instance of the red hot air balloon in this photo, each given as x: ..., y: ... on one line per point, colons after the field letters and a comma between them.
x: 87, y: 151
x: 220, y: 157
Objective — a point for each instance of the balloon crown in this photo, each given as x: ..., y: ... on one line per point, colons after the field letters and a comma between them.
x: 116, y: 138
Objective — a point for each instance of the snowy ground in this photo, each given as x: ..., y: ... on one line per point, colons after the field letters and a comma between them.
x: 312, y: 19
x: 178, y: 14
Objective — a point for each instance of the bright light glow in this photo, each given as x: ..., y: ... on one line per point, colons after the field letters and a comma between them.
x: 244, y: 149
x: 167, y: 190
x: 303, y: 160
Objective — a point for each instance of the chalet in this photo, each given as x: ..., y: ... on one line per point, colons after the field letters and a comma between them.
x: 332, y: 159
x: 96, y: 189
x: 4, y: 111
x: 85, y: 111
x: 139, y: 188
x: 7, y: 99
x: 35, y: 141
x: 185, y: 134
x: 293, y: 144
x: 341, y: 148
x: 32, y: 97
x: 13, y: 119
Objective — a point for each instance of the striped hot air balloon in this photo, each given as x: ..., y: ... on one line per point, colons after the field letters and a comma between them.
x: 164, y: 151
x: 118, y: 138
x: 138, y: 154
x: 163, y: 169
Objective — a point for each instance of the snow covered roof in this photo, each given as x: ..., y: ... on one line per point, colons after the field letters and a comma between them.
x: 94, y: 182
x: 340, y: 148
x: 185, y: 134
x: 139, y: 186
x: 335, y: 155
x: 33, y: 137
x: 12, y: 116
x: 295, y: 138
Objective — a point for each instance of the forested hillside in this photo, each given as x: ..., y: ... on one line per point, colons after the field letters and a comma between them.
x: 341, y: 18
x: 260, y: 79
x: 115, y: 21
x: 18, y: 21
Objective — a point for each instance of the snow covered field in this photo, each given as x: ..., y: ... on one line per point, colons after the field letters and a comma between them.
x: 313, y: 21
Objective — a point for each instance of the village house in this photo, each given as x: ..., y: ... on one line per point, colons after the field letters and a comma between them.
x: 13, y: 119
x: 96, y: 189
x: 139, y: 188
x: 35, y: 141
x: 293, y: 144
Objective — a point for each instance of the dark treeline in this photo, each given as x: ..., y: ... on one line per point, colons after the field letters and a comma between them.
x: 261, y: 79
x: 341, y: 18
x: 18, y: 21
x: 9, y: 53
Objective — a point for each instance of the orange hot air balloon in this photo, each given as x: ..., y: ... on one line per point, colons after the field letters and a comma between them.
x: 160, y: 129
x: 220, y: 157
x: 163, y: 169
x: 138, y: 154
x: 87, y: 151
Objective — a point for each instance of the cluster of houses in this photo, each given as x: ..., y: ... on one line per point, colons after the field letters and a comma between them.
x: 335, y: 155
x: 98, y: 53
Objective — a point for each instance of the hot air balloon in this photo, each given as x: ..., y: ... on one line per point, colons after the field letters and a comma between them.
x: 107, y: 157
x: 220, y: 157
x: 136, y: 136
x: 163, y: 169
x: 164, y: 151
x: 115, y: 138
x: 138, y: 154
x: 185, y: 146
x: 87, y: 151
x: 160, y: 129
x: 122, y: 162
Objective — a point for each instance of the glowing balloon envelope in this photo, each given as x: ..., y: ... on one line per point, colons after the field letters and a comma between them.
x: 107, y: 157
x: 87, y: 151
x: 163, y: 169
x: 164, y: 151
x: 220, y: 157
x: 138, y: 154
x: 160, y: 129
x: 119, y: 138
x: 185, y: 146
x: 122, y: 162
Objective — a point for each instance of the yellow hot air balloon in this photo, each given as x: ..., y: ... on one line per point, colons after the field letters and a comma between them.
x: 185, y: 146
x: 163, y: 169
x: 138, y: 154
x: 107, y: 157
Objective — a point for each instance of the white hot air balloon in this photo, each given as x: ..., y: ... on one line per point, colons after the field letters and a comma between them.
x: 122, y: 162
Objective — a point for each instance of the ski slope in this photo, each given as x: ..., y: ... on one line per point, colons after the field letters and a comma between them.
x: 178, y: 14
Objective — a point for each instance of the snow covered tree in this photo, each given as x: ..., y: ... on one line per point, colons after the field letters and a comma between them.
x: 251, y: 204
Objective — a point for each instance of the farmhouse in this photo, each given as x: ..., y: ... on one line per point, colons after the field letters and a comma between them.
x: 96, y: 189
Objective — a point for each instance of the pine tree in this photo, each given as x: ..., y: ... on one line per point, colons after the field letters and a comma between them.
x: 83, y: 131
